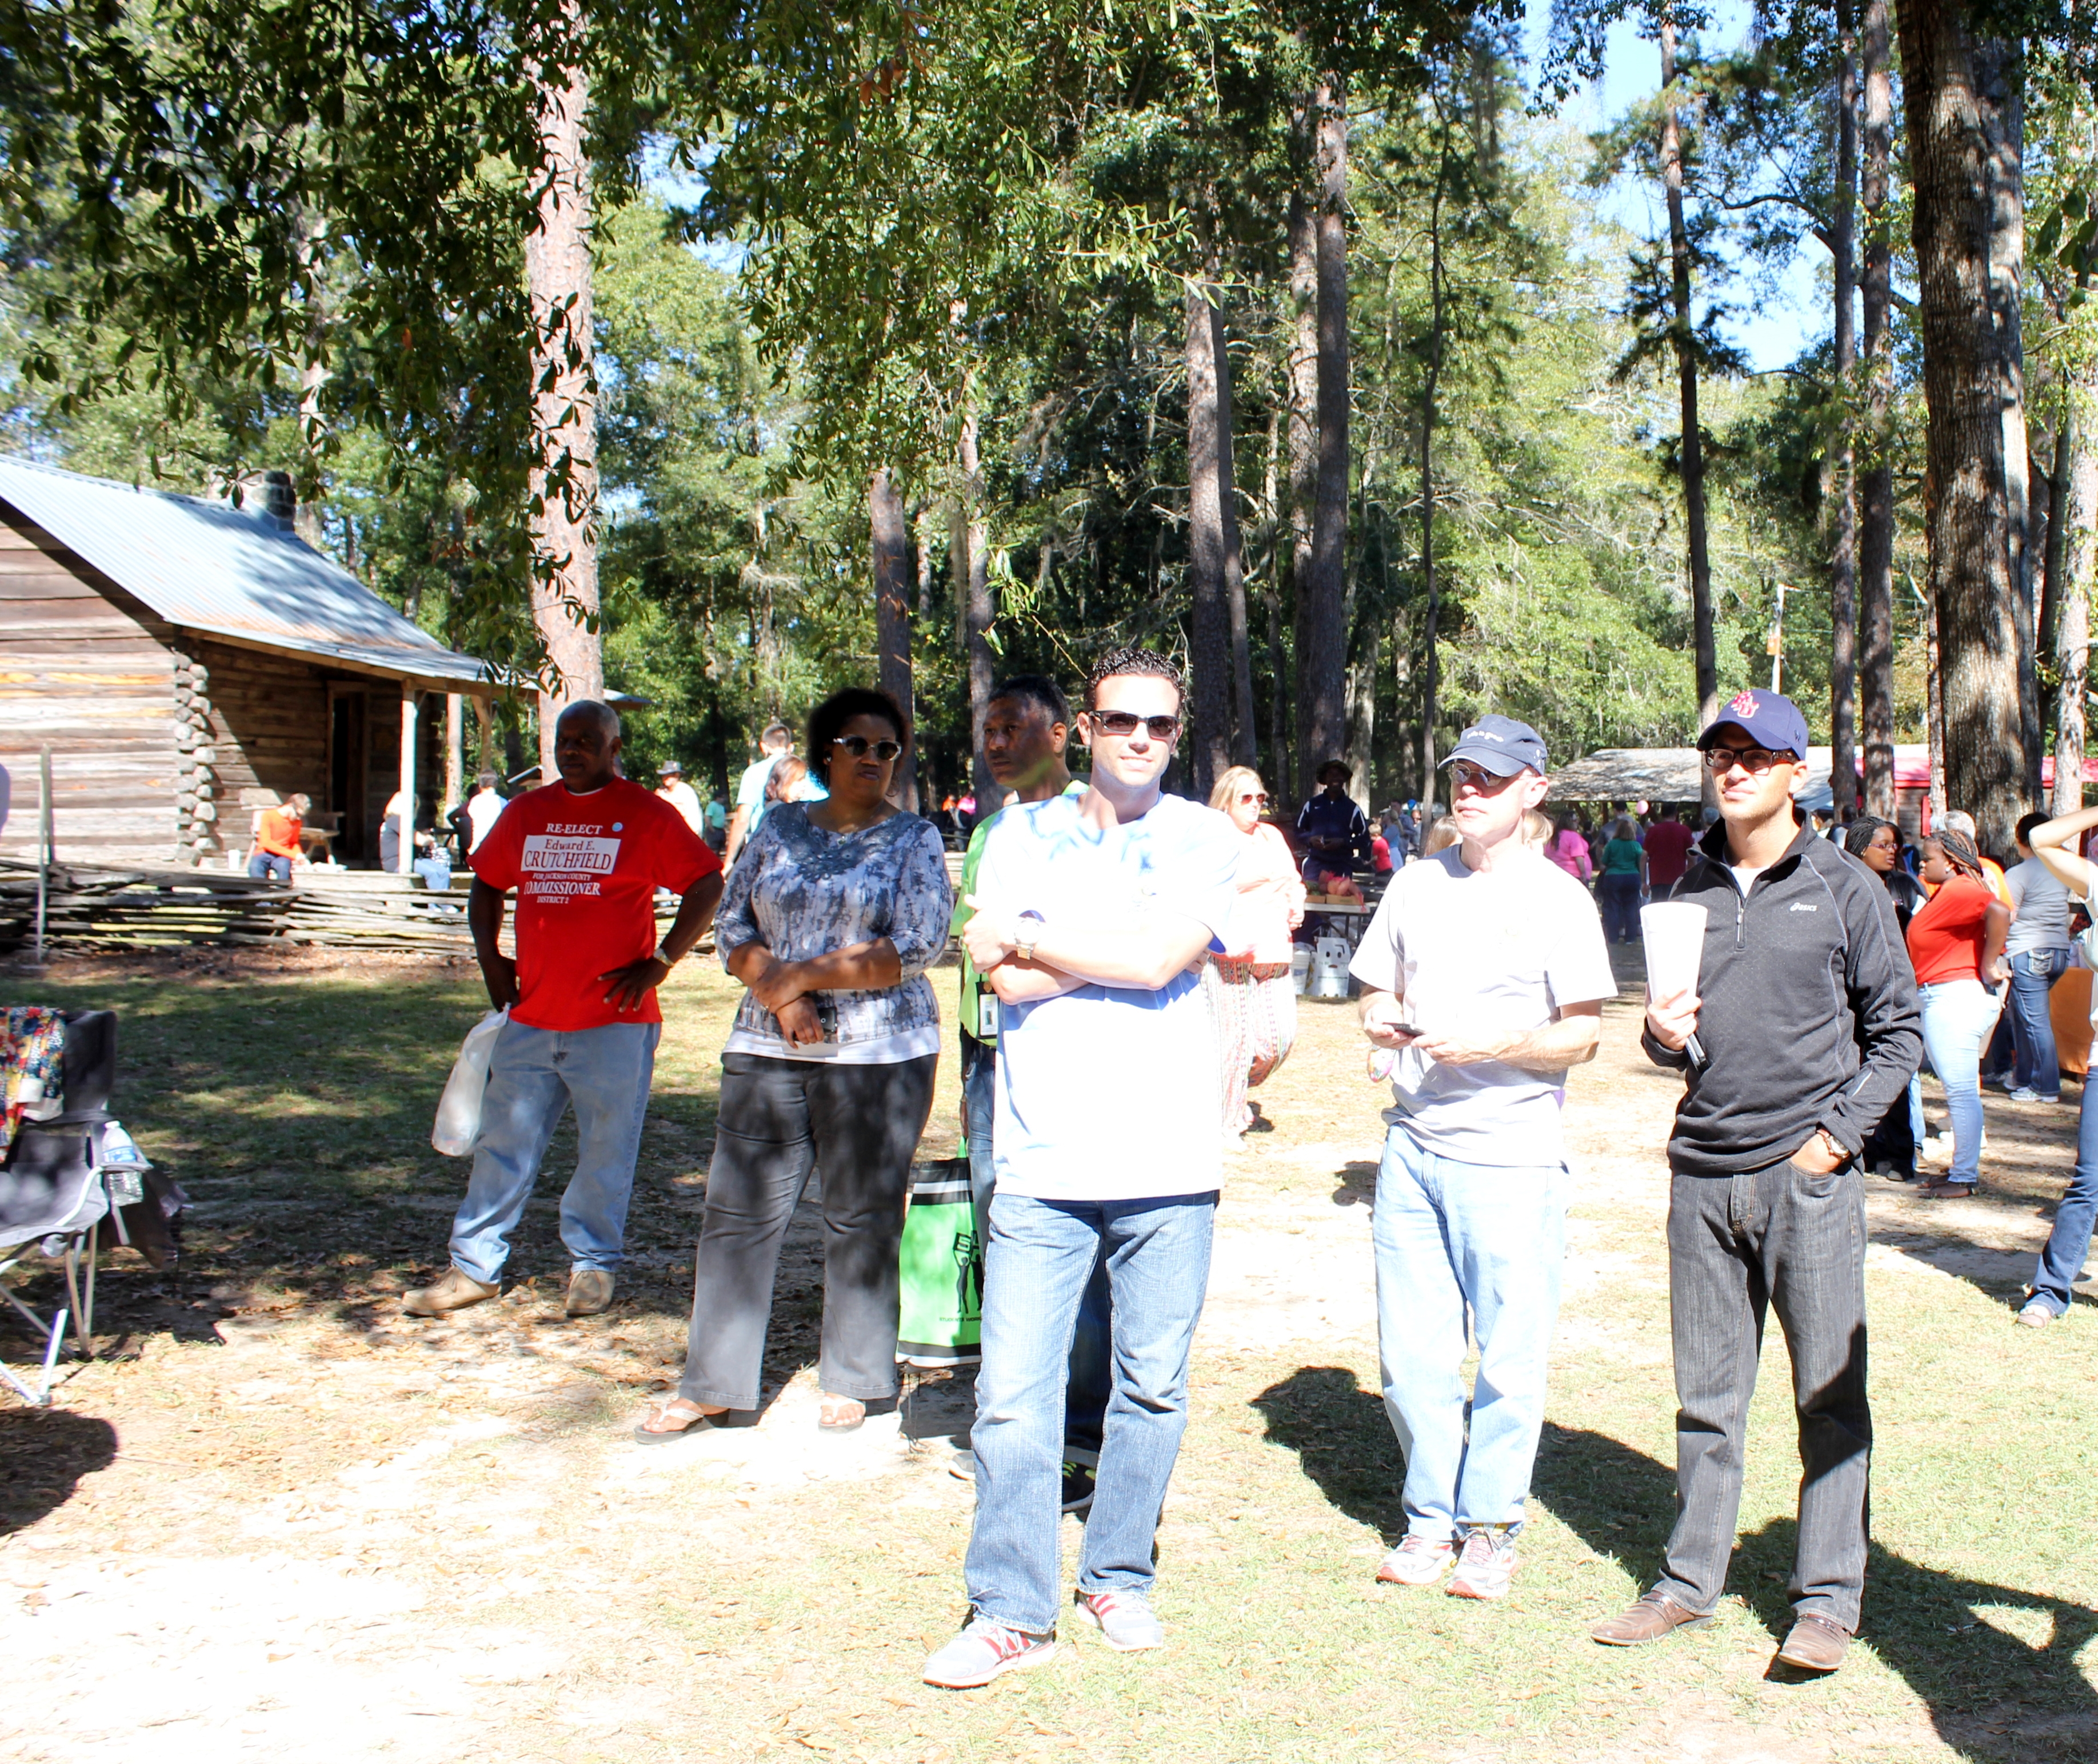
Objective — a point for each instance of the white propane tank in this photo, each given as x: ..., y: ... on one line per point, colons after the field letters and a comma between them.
x: 1300, y: 968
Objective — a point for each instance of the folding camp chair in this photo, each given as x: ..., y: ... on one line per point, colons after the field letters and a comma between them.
x: 74, y: 1183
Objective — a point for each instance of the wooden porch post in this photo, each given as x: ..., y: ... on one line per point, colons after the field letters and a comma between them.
x: 455, y: 754
x: 407, y: 778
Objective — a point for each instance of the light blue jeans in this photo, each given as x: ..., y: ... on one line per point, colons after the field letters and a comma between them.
x: 1449, y: 1236
x: 1958, y: 1016
x: 1041, y: 1257
x: 533, y: 1076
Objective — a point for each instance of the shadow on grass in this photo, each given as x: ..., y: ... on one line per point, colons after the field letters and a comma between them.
x: 43, y: 1455
x: 1993, y: 1696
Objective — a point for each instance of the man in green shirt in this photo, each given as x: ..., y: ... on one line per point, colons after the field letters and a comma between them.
x: 1026, y: 726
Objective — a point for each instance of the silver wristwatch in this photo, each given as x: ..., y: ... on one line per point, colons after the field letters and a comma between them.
x: 1027, y: 931
x: 664, y: 955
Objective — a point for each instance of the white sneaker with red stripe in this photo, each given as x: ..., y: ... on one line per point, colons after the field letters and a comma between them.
x: 983, y: 1650
x: 1486, y: 1565
x: 1124, y: 1619
x: 1418, y: 1561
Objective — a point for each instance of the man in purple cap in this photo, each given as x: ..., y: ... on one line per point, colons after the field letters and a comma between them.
x: 1484, y: 970
x: 1801, y: 1032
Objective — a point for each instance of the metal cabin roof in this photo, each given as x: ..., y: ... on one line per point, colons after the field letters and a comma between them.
x: 238, y: 573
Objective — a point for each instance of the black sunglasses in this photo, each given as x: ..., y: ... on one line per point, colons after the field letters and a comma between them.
x: 1124, y: 722
x: 858, y: 745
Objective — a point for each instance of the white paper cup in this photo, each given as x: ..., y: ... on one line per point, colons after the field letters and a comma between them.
x: 1674, y: 931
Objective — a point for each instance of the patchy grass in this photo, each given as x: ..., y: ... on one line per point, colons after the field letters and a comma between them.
x: 342, y: 1533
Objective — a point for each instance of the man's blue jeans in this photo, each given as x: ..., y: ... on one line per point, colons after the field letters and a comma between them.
x: 1092, y: 1370
x: 1958, y: 1017
x: 2068, y: 1243
x: 1043, y: 1254
x: 2033, y: 975
x: 1449, y: 1236
x: 272, y: 865
x: 532, y: 1077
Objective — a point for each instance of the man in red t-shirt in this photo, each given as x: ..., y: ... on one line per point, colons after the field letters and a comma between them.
x: 1668, y: 843
x: 585, y: 857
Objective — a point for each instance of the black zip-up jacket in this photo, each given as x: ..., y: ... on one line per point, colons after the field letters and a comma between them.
x: 1809, y: 1016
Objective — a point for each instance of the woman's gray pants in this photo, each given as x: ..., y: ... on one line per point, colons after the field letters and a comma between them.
x: 779, y: 1119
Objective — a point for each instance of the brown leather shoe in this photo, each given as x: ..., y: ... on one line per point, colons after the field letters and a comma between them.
x: 454, y: 1292
x: 1650, y: 1619
x: 1816, y: 1643
x: 590, y: 1291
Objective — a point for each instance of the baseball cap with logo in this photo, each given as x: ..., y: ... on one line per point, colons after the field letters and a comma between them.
x: 1769, y: 719
x: 1502, y: 745
x: 671, y: 769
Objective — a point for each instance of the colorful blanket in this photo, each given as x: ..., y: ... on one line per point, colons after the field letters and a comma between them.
x: 32, y: 1067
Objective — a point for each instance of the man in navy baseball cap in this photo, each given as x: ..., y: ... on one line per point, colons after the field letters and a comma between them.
x: 1769, y: 720
x: 1502, y: 745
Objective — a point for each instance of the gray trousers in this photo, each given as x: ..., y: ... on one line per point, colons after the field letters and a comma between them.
x: 779, y: 1120
x: 1773, y: 1238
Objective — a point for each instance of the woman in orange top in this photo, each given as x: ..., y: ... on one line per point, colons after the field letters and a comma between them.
x: 277, y: 839
x: 1248, y: 983
x: 1956, y: 942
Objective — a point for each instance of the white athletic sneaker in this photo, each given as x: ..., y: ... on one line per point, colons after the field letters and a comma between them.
x: 984, y: 1650
x: 1485, y: 1566
x: 2038, y: 1314
x: 1418, y: 1561
x: 1124, y: 1619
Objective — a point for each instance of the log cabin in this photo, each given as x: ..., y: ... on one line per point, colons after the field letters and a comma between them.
x: 188, y: 662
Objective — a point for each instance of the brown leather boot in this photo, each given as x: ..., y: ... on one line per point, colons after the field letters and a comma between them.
x: 454, y: 1292
x: 590, y: 1291
x: 1649, y: 1619
x: 1817, y: 1643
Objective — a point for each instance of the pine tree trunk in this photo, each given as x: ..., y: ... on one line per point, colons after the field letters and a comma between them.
x: 1972, y: 385
x: 1245, y: 732
x: 1321, y: 632
x: 1303, y: 466
x: 1876, y: 537
x: 564, y: 475
x: 2075, y: 512
x: 1209, y: 692
x: 969, y: 562
x: 1843, y: 560
x: 1686, y: 371
x: 889, y: 532
x: 1431, y: 663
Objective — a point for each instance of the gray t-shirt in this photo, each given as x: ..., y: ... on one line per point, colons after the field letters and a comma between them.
x: 2039, y: 908
x: 1477, y: 954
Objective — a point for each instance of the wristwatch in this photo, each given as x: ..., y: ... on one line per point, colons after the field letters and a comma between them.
x: 1026, y: 931
x: 664, y: 955
x: 1829, y: 1145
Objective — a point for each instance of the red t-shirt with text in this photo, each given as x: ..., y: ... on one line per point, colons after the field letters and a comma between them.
x: 585, y: 869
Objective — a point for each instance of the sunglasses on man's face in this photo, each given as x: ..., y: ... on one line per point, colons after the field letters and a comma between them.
x: 1125, y: 722
x: 1753, y: 760
x: 858, y: 745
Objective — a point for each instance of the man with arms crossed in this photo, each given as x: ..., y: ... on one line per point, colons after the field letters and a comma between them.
x: 1027, y: 725
x: 1485, y: 970
x: 1090, y: 912
x: 585, y: 857
x: 774, y: 745
x: 1801, y: 1034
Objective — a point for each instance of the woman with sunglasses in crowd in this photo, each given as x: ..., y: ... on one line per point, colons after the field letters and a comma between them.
x: 1248, y: 984
x: 832, y: 917
x: 1956, y: 943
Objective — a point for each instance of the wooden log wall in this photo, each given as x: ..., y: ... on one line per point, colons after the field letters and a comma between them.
x: 263, y: 718
x: 89, y: 671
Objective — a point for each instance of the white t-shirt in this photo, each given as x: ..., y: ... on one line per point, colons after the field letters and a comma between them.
x: 1744, y: 876
x: 1110, y: 1093
x: 686, y: 801
x: 484, y: 808
x: 750, y: 790
x: 1483, y: 953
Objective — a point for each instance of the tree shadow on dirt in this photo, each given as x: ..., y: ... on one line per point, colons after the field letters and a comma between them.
x: 43, y: 1455
x: 1993, y: 1695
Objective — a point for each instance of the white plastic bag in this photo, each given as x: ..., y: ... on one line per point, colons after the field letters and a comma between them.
x: 458, y: 1109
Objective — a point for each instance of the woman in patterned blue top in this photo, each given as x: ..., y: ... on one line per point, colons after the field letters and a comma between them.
x: 833, y: 913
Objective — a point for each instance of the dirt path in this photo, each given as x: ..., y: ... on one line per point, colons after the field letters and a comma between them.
x: 297, y: 1529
